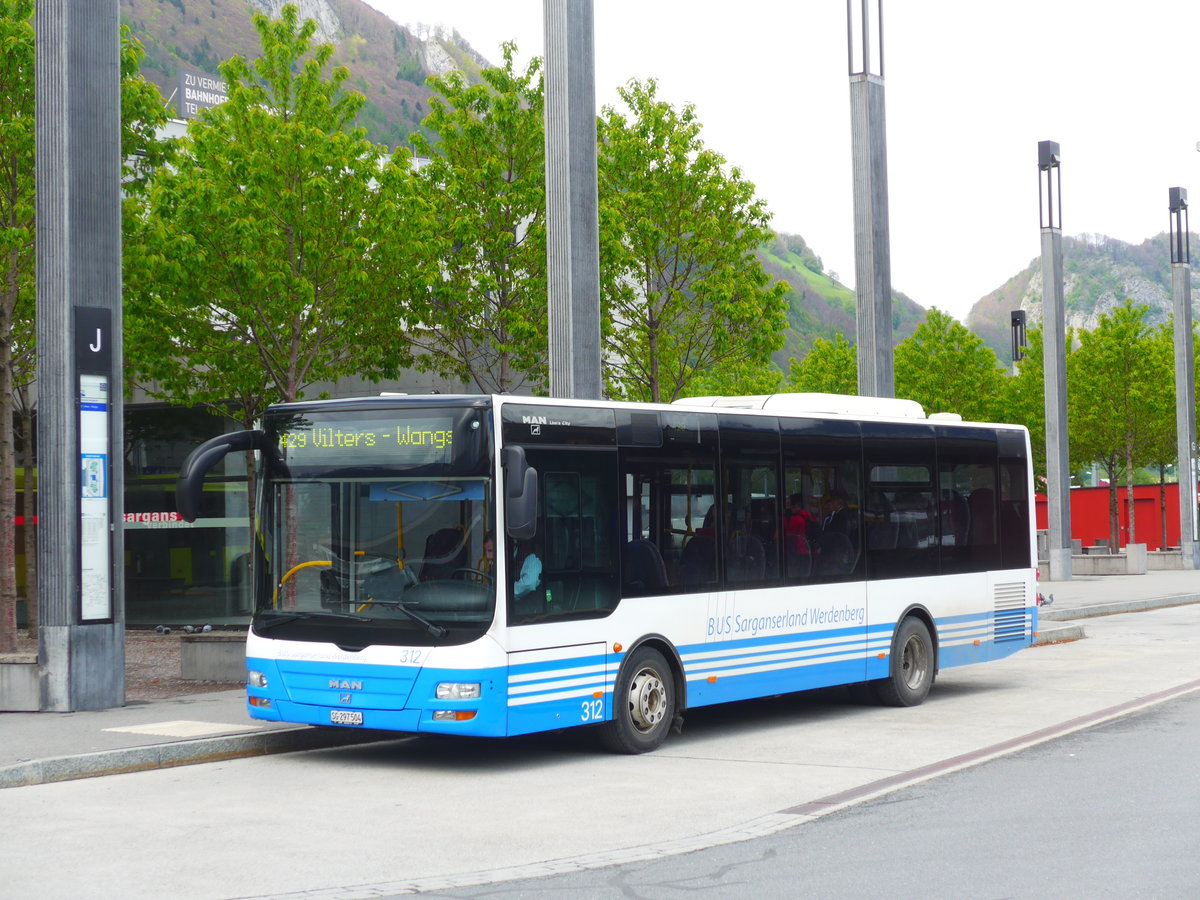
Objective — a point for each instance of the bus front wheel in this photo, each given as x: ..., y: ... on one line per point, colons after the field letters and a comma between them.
x: 912, y: 666
x: 643, y: 704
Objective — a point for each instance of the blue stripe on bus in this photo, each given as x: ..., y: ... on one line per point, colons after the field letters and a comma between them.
x: 572, y: 690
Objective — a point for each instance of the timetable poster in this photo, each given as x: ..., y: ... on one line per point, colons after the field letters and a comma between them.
x: 94, y: 545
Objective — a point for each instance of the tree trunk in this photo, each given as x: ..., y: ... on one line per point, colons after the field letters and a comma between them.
x: 1114, y: 515
x: 29, y: 472
x: 1162, y: 505
x: 1129, y: 495
x: 8, y: 493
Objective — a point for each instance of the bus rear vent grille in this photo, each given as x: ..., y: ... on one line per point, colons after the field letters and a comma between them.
x: 1011, y: 620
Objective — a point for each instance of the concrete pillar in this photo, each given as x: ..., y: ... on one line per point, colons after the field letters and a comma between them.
x: 572, y: 210
x: 1058, y: 469
x: 81, y: 650
x: 872, y: 246
x: 1185, y: 392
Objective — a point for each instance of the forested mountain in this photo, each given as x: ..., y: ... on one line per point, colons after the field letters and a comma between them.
x: 1098, y: 274
x: 818, y: 304
x: 388, y: 63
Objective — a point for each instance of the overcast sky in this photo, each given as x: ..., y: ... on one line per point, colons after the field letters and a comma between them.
x: 970, y: 90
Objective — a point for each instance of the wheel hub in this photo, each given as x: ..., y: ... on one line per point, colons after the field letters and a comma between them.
x: 647, y: 699
x: 914, y: 662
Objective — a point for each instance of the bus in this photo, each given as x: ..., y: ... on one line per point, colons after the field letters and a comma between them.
x: 502, y: 565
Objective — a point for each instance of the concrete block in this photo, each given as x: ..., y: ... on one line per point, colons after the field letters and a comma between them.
x: 213, y: 657
x: 1161, y: 560
x: 20, y: 689
x: 1131, y: 561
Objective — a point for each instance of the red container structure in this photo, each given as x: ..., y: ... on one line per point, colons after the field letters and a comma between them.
x: 1089, y: 515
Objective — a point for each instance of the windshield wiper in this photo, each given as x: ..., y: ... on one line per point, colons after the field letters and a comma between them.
x: 284, y: 618
x: 436, y: 630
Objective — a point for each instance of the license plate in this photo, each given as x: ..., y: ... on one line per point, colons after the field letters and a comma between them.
x: 345, y: 717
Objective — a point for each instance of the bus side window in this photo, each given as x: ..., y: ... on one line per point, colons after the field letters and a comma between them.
x: 668, y: 528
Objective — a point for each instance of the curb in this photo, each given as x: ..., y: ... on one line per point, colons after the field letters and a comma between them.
x: 1118, y: 606
x: 183, y: 753
x: 1058, y: 634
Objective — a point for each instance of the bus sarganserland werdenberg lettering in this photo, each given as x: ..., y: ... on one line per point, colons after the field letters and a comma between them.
x: 495, y: 565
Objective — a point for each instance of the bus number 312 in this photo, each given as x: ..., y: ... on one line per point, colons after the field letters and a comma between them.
x: 593, y: 711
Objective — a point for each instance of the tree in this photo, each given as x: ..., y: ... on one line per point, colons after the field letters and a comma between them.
x: 1115, y: 395
x: 482, y: 320
x: 17, y: 287
x: 830, y: 367
x: 261, y: 260
x: 947, y: 368
x: 1162, y: 449
x: 685, y: 293
x: 256, y: 267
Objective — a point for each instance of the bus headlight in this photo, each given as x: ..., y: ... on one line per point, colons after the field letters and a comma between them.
x: 454, y: 690
x: 256, y: 679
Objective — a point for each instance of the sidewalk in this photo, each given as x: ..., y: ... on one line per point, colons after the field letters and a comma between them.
x: 1085, y: 596
x: 37, y: 748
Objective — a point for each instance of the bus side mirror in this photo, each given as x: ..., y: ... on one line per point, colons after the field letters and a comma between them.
x: 520, y: 495
x: 200, y: 461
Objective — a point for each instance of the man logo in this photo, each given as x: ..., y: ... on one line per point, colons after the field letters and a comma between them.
x: 346, y: 698
x: 341, y: 684
x: 533, y: 420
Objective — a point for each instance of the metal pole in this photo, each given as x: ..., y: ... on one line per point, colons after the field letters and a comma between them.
x: 1185, y: 392
x: 572, y: 209
x: 1058, y: 470
x: 872, y: 244
x: 81, y: 651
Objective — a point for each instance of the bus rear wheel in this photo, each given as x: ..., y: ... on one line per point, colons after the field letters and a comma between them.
x: 912, y: 666
x: 643, y: 704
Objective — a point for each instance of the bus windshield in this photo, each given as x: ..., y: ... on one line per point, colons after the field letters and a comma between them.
x: 366, y: 539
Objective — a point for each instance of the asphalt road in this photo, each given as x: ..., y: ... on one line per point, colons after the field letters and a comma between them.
x: 1106, y: 812
x: 423, y: 814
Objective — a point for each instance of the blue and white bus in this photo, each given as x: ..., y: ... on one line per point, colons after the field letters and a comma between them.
x: 499, y: 565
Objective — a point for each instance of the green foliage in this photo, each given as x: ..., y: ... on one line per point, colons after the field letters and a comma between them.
x: 252, y: 269
x: 831, y: 367
x: 744, y: 379
x: 947, y: 368
x: 483, y: 321
x: 684, y: 292
x: 17, y: 286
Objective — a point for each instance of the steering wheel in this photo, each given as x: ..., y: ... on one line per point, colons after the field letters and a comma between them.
x: 479, y: 573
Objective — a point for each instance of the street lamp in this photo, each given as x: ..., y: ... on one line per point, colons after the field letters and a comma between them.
x: 1017, y: 323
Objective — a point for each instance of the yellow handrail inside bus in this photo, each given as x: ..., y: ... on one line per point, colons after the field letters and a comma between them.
x: 293, y: 570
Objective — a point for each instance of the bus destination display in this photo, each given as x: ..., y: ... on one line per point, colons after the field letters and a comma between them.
x: 408, y: 442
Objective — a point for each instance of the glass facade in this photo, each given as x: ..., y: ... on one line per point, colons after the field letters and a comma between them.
x: 178, y: 572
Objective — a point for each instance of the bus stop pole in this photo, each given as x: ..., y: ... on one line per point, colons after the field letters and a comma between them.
x: 81, y: 638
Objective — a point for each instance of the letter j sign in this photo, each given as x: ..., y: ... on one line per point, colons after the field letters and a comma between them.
x: 93, y: 339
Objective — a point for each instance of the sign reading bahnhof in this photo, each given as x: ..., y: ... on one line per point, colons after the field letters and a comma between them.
x: 199, y: 90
